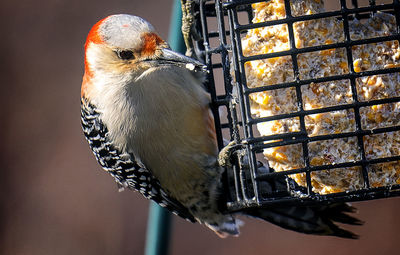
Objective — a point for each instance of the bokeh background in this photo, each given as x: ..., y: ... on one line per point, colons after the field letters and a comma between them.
x: 54, y: 197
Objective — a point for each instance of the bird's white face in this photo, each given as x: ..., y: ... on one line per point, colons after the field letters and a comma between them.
x: 121, y: 48
x: 116, y: 48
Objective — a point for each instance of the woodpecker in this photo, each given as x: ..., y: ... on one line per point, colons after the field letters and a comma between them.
x: 146, y: 116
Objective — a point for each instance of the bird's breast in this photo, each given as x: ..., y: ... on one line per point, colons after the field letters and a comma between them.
x: 171, y: 133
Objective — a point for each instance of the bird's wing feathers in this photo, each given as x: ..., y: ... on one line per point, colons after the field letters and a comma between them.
x: 127, y: 170
x: 209, y: 119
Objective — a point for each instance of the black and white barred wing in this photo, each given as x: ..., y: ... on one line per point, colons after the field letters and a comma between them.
x: 127, y: 170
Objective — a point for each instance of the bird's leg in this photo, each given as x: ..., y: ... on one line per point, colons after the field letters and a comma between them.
x: 188, y: 29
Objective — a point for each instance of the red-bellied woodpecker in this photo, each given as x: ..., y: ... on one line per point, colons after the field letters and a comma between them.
x: 146, y: 116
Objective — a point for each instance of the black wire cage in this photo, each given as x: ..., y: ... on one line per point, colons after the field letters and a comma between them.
x: 224, y: 25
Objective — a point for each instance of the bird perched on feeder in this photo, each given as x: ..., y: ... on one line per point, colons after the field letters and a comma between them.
x: 146, y: 116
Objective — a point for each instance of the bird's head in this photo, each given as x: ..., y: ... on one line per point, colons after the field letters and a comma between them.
x: 123, y: 47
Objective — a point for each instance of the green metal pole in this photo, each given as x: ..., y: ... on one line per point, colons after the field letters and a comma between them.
x: 158, y: 230
x: 159, y: 222
x: 175, y: 38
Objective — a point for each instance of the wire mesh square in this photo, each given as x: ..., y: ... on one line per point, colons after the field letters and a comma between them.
x: 311, y: 93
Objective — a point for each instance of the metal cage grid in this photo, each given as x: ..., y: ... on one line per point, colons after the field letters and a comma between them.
x: 220, y: 47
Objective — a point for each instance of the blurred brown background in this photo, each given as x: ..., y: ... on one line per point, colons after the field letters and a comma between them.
x: 55, y: 199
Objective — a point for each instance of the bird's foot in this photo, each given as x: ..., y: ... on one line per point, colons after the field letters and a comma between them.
x: 188, y: 27
x: 225, y: 155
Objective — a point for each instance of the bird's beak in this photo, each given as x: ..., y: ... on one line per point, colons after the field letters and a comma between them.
x: 169, y: 57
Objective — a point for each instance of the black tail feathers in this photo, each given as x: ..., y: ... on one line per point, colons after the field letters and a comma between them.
x: 317, y: 220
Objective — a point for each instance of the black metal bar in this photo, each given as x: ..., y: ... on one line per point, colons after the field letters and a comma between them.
x: 396, y: 8
x: 320, y: 48
x: 243, y: 103
x: 354, y: 94
x: 273, y: 175
x: 358, y: 195
x: 211, y: 80
x: 303, y: 131
x: 322, y: 79
x: 357, y: 104
x: 295, y: 19
x: 298, y: 137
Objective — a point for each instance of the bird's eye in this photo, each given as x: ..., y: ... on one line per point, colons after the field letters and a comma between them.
x: 125, y: 54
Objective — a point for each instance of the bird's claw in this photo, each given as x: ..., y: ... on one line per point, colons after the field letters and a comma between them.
x: 224, y: 156
x: 188, y: 28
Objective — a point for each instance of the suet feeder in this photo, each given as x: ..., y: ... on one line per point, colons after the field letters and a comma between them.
x: 292, y: 164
